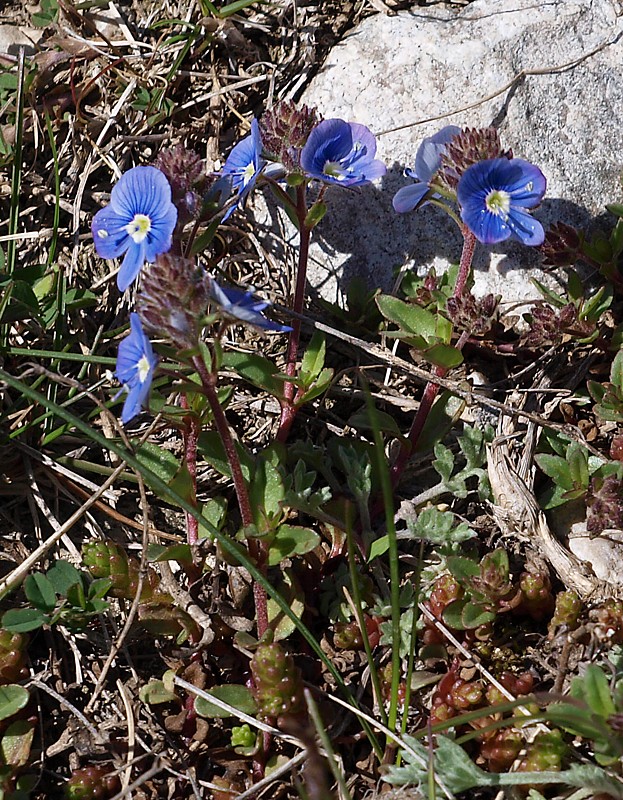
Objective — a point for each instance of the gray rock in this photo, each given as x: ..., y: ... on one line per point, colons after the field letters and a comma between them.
x: 565, y: 115
x: 13, y: 37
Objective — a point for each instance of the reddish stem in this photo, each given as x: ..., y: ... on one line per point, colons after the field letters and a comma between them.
x: 288, y: 408
x: 257, y: 548
x: 191, y: 436
x: 431, y: 390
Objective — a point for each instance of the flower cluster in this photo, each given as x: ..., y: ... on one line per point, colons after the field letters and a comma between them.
x: 151, y: 205
x: 495, y: 192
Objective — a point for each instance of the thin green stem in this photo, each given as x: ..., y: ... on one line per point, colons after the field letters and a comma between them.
x: 394, y: 563
x: 257, y: 549
x: 358, y: 608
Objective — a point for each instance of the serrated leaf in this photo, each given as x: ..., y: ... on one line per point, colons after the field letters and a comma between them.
x: 12, y: 699
x: 22, y: 620
x: 557, y: 469
x: 239, y: 697
x: 463, y: 569
x: 290, y: 540
x: 39, y: 590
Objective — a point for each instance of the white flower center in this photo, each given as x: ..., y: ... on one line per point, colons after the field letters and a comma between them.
x: 248, y: 173
x: 139, y: 227
x: 144, y: 368
x: 334, y: 169
x: 498, y: 202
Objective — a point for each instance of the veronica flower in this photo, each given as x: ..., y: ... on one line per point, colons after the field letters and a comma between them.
x: 135, y: 369
x: 494, y: 196
x: 241, y: 305
x: 245, y: 164
x: 341, y: 153
x: 138, y: 222
x: 427, y: 162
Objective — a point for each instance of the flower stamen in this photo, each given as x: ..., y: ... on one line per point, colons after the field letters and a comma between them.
x: 139, y: 227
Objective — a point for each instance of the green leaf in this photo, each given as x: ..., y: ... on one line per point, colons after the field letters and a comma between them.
x: 76, y: 596
x: 16, y: 743
x: 575, y: 285
x: 317, y: 388
x: 293, y: 595
x: 443, y: 355
x: 315, y: 214
x: 556, y: 468
x: 239, y: 697
x: 444, y: 414
x: 99, y: 588
x: 474, y: 615
x: 63, y: 575
x: 160, y: 461
x: 577, y: 458
x: 290, y: 540
x: 12, y: 699
x: 210, y: 447
x: 256, y: 369
x: 463, y: 569
x: 182, y: 484
x: 453, y: 614
x: 616, y: 372
x: 155, y: 692
x: 40, y: 592
x: 576, y: 720
x: 22, y: 620
x: 593, y: 687
x: 266, y: 493
x: 313, y: 360
x: 177, y: 552
x: 410, y: 318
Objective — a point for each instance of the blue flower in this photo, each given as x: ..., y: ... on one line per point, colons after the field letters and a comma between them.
x: 240, y: 305
x: 138, y: 222
x: 245, y: 164
x: 341, y: 153
x: 136, y: 363
x: 427, y: 162
x: 494, y: 196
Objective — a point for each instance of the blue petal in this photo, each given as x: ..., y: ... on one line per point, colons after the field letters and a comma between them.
x: 363, y: 137
x: 375, y: 169
x: 109, y: 234
x: 409, y: 197
x: 428, y: 157
x: 132, y: 265
x: 488, y: 228
x: 529, y: 185
x: 140, y: 190
x: 330, y: 140
x: 132, y: 350
x: 525, y: 228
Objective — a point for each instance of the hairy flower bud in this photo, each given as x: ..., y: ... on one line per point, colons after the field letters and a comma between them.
x: 185, y: 171
x: 108, y: 560
x: 466, y: 148
x: 473, y: 315
x: 173, y: 299
x: 285, y: 129
x: 562, y: 246
x: 605, y: 505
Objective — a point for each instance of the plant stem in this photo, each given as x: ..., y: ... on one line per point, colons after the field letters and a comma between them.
x: 288, y: 410
x: 257, y: 549
x: 431, y: 390
x: 191, y: 435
